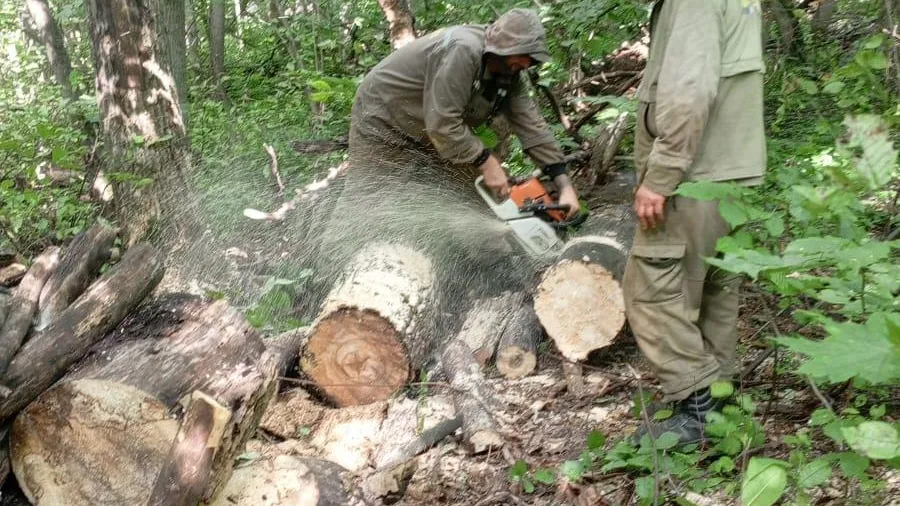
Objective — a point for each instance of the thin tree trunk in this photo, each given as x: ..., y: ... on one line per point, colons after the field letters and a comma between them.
x: 52, y: 38
x: 217, y: 44
x: 400, y: 19
x: 138, y: 49
x: 192, y: 35
x: 238, y: 21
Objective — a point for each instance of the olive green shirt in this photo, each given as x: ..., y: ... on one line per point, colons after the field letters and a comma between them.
x: 703, y: 85
x: 432, y: 91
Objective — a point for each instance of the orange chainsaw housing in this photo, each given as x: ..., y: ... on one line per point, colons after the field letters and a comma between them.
x: 531, y: 190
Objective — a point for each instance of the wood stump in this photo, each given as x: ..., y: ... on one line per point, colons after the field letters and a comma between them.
x: 104, y: 434
x: 373, y: 328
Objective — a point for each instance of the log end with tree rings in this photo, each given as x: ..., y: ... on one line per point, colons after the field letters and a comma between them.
x: 356, y: 357
x: 90, y: 442
x: 514, y: 362
x: 579, y: 301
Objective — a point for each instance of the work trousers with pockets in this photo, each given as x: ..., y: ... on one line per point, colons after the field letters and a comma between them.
x: 683, y: 312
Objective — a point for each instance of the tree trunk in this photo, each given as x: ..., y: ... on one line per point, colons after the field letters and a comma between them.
x: 48, y: 354
x: 23, y: 305
x: 821, y: 20
x: 579, y: 299
x: 12, y: 274
x: 63, y: 445
x: 138, y: 50
x: 372, y: 329
x: 51, y: 37
x: 83, y: 258
x: 400, y: 20
x: 217, y: 44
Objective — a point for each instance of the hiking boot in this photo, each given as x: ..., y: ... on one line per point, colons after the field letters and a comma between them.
x: 688, y: 420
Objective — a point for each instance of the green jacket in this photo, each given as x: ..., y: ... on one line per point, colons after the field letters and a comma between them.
x: 703, y: 94
x: 436, y: 90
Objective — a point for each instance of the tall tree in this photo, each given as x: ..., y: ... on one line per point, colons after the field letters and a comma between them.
x: 45, y: 31
x: 400, y: 19
x: 138, y: 49
x: 217, y: 44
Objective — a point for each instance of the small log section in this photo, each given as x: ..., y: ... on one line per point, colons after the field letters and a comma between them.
x: 286, y: 480
x: 23, y: 305
x: 81, y: 262
x: 579, y: 299
x: 485, y: 323
x: 103, y: 434
x: 517, y: 350
x: 373, y: 328
x: 48, y: 354
x: 473, y: 399
x: 183, y: 478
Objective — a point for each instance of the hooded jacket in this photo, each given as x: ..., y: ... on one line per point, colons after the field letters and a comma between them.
x: 436, y: 89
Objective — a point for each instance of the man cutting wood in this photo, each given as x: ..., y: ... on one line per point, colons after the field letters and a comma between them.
x: 421, y: 104
x: 700, y: 117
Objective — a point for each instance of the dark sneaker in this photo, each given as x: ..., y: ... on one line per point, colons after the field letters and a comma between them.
x: 687, y: 421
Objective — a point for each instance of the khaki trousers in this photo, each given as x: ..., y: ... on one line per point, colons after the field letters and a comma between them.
x: 682, y: 311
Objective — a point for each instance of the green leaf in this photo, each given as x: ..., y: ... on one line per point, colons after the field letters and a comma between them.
x: 724, y: 465
x: 878, y: 161
x: 707, y: 190
x: 545, y: 476
x: 58, y: 154
x: 746, y: 403
x: 764, y: 482
x: 851, y: 350
x: 645, y: 487
x: 874, y: 42
x: 852, y: 464
x: 573, y: 470
x: 527, y: 485
x: 821, y: 416
x: 518, y: 470
x: 775, y: 225
x: 721, y: 389
x: 834, y: 87
x: 595, y: 440
x: 876, y: 440
x: 814, y: 474
x: 808, y: 86
x: 662, y: 414
x: 878, y: 411
x: 733, y: 213
x: 666, y: 440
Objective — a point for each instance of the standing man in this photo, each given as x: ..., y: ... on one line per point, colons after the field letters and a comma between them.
x: 419, y: 106
x: 700, y: 117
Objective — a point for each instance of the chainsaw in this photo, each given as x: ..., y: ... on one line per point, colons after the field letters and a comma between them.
x: 532, y: 214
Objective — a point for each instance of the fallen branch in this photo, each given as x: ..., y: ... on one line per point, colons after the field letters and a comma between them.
x: 273, y: 166
x: 603, y: 76
x: 320, y: 147
x: 599, y: 107
x: 304, y: 196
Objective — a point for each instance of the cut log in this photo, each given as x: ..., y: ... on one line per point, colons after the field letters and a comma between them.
x: 161, y: 354
x: 579, y: 299
x: 486, y: 322
x: 285, y: 480
x: 24, y: 303
x: 12, y: 274
x: 81, y: 262
x: 373, y: 328
x: 517, y: 350
x: 184, y: 475
x: 473, y: 399
x: 47, y: 355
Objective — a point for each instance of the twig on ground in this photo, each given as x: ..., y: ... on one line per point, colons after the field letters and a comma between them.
x: 273, y: 166
x: 818, y: 393
x: 495, y: 498
x: 599, y: 107
x: 602, y: 76
x: 307, y: 194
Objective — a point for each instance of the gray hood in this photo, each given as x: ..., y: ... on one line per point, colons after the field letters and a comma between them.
x: 516, y: 32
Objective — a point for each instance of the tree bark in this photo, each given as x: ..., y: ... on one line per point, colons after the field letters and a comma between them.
x: 23, y: 305
x: 12, y: 274
x: 579, y: 299
x: 517, y: 349
x: 83, y: 258
x: 48, y: 354
x: 400, y: 21
x: 217, y: 44
x: 186, y: 470
x: 138, y: 50
x: 473, y: 399
x: 51, y: 37
x: 485, y: 323
x: 159, y: 355
x: 373, y: 327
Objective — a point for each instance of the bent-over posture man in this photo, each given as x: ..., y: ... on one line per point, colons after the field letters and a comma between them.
x: 425, y: 99
x: 700, y: 117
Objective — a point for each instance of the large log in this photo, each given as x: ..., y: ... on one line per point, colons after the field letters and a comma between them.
x: 579, y: 299
x: 161, y: 354
x: 24, y: 303
x: 82, y: 260
x: 373, y: 329
x: 47, y: 355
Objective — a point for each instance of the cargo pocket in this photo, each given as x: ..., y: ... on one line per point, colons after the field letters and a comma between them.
x: 655, y: 273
